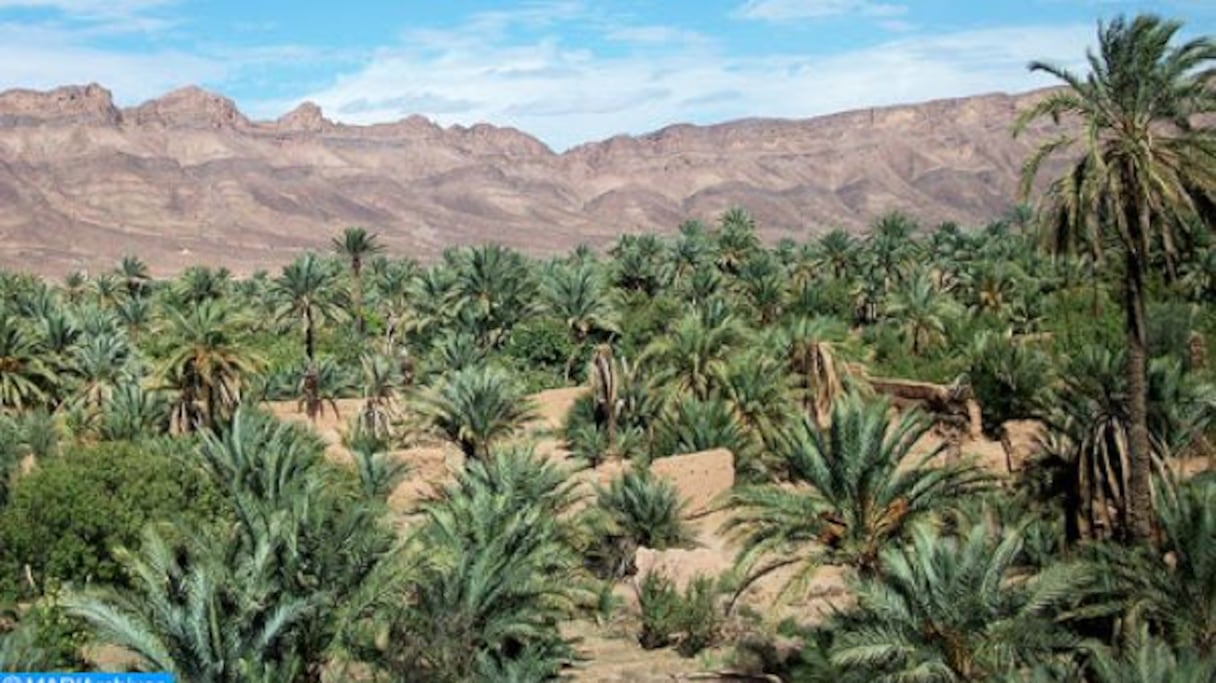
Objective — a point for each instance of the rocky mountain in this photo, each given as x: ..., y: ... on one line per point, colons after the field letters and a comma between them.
x: 187, y: 178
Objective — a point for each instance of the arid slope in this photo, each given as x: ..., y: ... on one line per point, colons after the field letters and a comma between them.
x: 186, y: 178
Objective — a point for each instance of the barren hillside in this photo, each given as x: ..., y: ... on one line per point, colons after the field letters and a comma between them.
x: 186, y: 178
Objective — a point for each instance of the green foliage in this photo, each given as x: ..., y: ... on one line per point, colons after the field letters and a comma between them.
x: 68, y: 517
x: 644, y: 508
x: 494, y: 575
x: 862, y: 491
x: 475, y: 407
x: 1011, y: 380
x: 957, y: 609
x: 691, y: 620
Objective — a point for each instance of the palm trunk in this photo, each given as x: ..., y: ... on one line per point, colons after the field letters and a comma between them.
x: 1139, y: 498
x: 309, y: 340
x: 357, y: 268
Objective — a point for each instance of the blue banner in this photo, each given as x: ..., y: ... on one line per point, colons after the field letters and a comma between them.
x: 84, y: 678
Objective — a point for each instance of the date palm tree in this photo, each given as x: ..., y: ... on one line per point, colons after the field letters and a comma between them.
x: 357, y: 245
x: 693, y: 354
x: 493, y: 291
x: 476, y: 407
x: 24, y: 376
x: 957, y: 610
x: 923, y: 311
x: 837, y: 251
x: 859, y: 489
x: 578, y: 295
x: 206, y: 365
x: 306, y: 293
x: 1147, y: 158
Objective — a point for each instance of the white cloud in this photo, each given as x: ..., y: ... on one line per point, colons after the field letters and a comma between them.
x: 568, y: 95
x: 784, y: 10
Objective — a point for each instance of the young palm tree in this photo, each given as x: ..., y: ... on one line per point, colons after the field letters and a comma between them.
x: 1146, y: 659
x: 133, y: 413
x: 860, y: 488
x: 357, y: 244
x: 1146, y: 159
x: 956, y: 610
x: 193, y: 614
x: 643, y: 508
x: 496, y: 574
x: 475, y: 407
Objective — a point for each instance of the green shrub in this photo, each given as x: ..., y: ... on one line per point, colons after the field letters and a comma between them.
x: 65, y: 519
x: 542, y: 344
x: 690, y: 620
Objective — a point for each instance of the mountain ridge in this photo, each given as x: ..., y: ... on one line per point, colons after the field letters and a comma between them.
x: 188, y: 178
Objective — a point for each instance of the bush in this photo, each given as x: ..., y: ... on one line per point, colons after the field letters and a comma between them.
x: 542, y: 344
x: 690, y: 620
x: 65, y: 519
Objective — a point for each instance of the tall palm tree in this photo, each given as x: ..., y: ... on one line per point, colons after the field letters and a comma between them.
x: 1146, y: 158
x: 475, y: 407
x: 923, y: 311
x: 206, y: 365
x: 357, y: 244
x: 836, y: 250
x: 956, y: 610
x: 494, y: 289
x: 735, y: 239
x: 306, y: 292
x: 578, y: 295
x: 860, y: 489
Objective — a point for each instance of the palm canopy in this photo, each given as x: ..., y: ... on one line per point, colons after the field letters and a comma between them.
x: 475, y: 407
x: 1145, y: 158
x: 207, y: 363
x: 306, y: 292
x: 858, y: 486
x: 956, y: 609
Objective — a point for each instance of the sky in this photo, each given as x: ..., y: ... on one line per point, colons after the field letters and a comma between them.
x: 566, y: 71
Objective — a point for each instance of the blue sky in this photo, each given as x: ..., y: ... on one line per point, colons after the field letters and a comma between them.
x: 567, y: 71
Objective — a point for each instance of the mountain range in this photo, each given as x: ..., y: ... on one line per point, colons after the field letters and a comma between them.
x: 187, y: 178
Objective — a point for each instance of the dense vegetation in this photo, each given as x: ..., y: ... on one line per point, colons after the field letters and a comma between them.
x: 149, y: 500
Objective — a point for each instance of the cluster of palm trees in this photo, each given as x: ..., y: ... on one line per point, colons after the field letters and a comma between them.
x: 1095, y: 561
